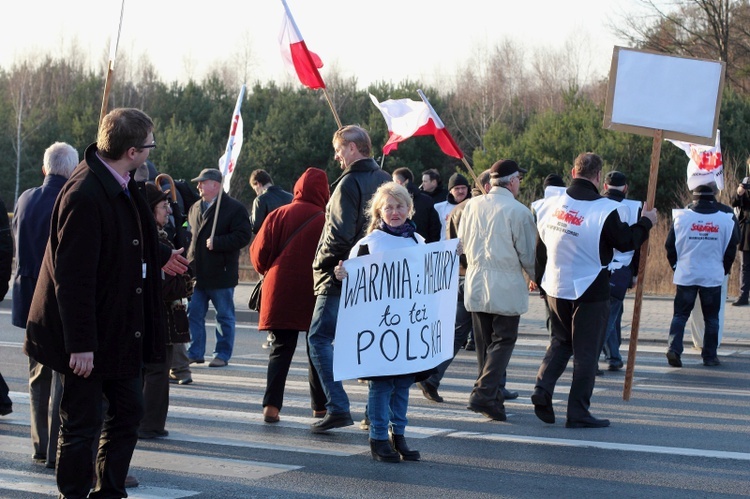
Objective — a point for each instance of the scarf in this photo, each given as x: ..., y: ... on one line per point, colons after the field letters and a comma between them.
x: 406, y: 229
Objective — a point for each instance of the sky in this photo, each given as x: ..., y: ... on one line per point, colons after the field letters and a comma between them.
x: 389, y: 40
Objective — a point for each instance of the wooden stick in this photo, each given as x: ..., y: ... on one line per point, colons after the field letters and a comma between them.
x: 105, y: 98
x: 333, y: 110
x: 650, y: 198
x: 111, y: 64
x: 473, y: 175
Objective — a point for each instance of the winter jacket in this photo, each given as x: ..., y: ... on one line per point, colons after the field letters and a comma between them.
x: 287, y: 300
x: 91, y: 295
x: 273, y: 198
x: 218, y: 268
x: 346, y: 220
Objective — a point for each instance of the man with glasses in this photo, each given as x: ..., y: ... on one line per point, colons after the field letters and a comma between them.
x: 96, y: 313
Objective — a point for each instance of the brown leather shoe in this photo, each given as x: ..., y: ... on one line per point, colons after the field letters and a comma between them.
x: 271, y: 414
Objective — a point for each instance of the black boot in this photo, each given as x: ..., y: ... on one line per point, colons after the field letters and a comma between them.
x: 399, y: 444
x: 381, y: 450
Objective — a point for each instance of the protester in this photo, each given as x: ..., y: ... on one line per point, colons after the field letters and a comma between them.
x: 174, y: 290
x: 458, y: 190
x: 282, y: 253
x: 432, y: 185
x: 221, y: 228
x: 389, y: 229
x: 425, y: 217
x: 741, y: 201
x: 96, y: 312
x: 463, y: 326
x: 623, y: 269
x: 578, y: 232
x: 498, y: 237
x: 344, y: 226
x: 269, y: 197
x: 31, y: 231
x: 701, y: 246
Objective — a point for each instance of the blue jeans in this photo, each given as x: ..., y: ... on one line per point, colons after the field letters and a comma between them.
x: 223, y: 301
x: 387, y: 404
x: 320, y: 340
x: 613, y: 338
x: 684, y: 301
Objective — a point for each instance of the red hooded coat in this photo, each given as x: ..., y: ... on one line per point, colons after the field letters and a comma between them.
x: 287, y: 300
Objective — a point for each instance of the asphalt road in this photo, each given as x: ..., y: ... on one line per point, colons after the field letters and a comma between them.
x: 684, y: 433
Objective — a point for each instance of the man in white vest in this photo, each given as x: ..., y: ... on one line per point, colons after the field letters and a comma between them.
x: 578, y: 232
x: 701, y: 247
x: 623, y: 270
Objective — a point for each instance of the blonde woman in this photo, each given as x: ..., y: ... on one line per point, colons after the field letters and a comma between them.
x: 390, y: 228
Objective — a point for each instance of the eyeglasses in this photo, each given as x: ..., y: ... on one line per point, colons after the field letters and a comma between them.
x: 148, y: 146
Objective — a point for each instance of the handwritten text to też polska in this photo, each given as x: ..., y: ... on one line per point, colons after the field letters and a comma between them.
x: 395, y: 280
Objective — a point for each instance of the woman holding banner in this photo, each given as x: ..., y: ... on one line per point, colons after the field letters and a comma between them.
x: 390, y: 228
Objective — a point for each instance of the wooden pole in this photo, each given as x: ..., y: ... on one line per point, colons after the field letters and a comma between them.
x: 473, y: 175
x: 333, y: 110
x: 650, y: 198
x: 114, y: 42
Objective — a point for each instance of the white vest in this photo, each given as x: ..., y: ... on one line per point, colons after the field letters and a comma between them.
x: 549, y: 192
x: 621, y: 259
x: 571, y: 230
x: 444, y: 209
x: 701, y: 240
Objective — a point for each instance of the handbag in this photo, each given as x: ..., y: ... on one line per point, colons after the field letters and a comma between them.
x: 253, y: 302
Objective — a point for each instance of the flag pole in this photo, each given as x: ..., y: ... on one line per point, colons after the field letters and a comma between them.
x: 650, y: 199
x: 463, y: 158
x: 227, y: 156
x: 111, y: 65
x: 333, y: 109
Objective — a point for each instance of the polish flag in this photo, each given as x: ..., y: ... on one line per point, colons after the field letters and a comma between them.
x: 706, y: 163
x: 407, y: 118
x: 295, y: 54
x: 228, y: 160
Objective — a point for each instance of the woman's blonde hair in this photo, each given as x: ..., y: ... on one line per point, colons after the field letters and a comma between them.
x: 379, y: 199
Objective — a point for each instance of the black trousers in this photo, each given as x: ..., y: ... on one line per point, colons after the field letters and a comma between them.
x: 45, y: 391
x: 280, y: 359
x: 495, y: 337
x: 578, y: 330
x: 82, y: 413
x: 156, y: 393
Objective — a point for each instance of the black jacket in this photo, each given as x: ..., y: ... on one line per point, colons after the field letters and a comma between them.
x: 264, y: 204
x: 425, y: 217
x: 615, y: 234
x: 6, y: 251
x: 346, y: 220
x: 743, y: 203
x: 218, y: 268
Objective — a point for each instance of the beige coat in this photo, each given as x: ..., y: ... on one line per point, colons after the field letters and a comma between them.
x: 499, y: 240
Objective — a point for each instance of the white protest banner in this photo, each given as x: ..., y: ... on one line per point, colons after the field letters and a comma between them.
x: 397, y: 312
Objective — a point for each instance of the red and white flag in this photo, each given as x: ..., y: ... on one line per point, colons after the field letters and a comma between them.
x: 295, y: 54
x: 706, y: 164
x: 234, y: 144
x: 407, y: 118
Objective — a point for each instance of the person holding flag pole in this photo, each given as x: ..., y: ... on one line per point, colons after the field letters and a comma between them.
x: 214, y: 255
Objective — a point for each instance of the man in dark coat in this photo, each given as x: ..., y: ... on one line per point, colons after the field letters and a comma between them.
x: 742, y: 201
x: 432, y: 185
x: 425, y: 217
x: 345, y: 225
x: 269, y: 197
x: 214, y: 256
x: 31, y: 232
x: 96, y: 315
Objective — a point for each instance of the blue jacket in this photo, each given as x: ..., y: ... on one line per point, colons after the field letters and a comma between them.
x: 31, y: 231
